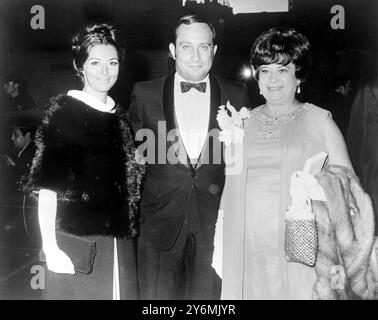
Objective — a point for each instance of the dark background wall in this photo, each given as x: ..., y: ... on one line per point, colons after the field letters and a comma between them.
x: 43, y: 56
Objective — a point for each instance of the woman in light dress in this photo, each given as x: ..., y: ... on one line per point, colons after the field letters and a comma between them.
x: 279, y: 136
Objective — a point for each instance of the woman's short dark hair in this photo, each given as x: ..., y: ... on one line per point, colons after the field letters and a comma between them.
x: 90, y: 35
x: 282, y: 46
x: 190, y: 19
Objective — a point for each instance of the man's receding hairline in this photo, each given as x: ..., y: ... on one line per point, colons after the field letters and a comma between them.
x: 183, y: 25
x: 188, y: 25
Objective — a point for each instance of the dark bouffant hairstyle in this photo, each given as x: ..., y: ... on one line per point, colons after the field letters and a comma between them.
x: 282, y: 46
x: 90, y: 35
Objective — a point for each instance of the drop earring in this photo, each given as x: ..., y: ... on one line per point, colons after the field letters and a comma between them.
x: 299, y: 89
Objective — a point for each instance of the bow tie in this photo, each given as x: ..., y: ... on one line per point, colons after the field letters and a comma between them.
x: 186, y: 86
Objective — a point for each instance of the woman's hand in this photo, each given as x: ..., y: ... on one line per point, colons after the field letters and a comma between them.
x: 58, y: 261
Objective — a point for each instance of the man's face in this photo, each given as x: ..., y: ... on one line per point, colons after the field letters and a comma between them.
x: 19, y: 140
x: 194, y: 51
x: 10, y: 87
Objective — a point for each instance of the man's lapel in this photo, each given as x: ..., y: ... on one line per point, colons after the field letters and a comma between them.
x: 170, y: 118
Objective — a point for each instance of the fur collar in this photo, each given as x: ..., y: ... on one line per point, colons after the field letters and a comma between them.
x: 127, y: 190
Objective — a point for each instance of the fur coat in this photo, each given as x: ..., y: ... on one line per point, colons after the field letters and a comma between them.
x: 88, y: 158
x: 346, y: 264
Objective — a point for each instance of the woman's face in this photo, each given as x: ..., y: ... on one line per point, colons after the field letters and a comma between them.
x: 100, y: 70
x: 278, y: 83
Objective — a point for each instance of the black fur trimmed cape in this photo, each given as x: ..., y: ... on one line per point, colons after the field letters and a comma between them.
x: 88, y: 158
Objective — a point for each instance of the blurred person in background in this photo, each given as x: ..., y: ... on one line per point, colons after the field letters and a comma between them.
x: 16, y: 97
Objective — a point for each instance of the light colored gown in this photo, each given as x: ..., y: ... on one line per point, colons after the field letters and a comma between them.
x: 254, y: 204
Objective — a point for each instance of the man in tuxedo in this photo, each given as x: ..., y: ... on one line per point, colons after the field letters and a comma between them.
x: 181, y: 196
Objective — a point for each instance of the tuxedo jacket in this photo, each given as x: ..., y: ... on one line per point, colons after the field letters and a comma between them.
x: 176, y: 189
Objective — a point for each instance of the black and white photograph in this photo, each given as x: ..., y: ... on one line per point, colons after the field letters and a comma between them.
x: 188, y: 150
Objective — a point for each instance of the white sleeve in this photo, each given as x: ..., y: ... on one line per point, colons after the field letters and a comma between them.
x: 47, y: 206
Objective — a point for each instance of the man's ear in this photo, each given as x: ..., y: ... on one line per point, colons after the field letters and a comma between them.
x: 215, y: 50
x: 172, y: 50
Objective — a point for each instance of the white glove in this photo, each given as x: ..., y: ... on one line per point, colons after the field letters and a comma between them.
x: 304, y: 186
x: 56, y: 260
x: 218, y: 245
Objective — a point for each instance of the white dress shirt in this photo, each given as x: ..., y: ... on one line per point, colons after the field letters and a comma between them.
x: 192, y: 110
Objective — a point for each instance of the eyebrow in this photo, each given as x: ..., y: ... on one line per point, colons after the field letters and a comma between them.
x: 97, y: 58
x: 188, y: 42
x: 279, y: 65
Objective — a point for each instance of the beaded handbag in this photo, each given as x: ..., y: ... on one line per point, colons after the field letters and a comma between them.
x: 301, y: 237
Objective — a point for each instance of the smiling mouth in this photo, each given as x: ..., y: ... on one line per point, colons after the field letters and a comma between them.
x: 275, y: 88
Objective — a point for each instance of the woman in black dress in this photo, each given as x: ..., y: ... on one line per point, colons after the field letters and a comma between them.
x: 86, y: 178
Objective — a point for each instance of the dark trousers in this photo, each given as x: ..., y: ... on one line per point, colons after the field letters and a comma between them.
x: 184, y: 272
